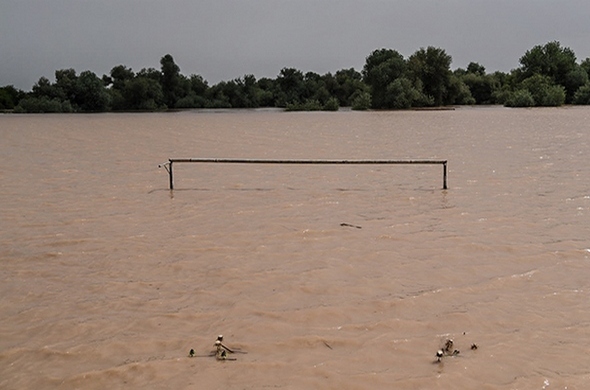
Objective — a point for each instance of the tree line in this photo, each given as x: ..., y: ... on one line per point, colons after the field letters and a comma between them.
x: 549, y: 75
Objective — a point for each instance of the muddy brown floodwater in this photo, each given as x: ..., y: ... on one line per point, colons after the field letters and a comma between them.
x: 343, y: 277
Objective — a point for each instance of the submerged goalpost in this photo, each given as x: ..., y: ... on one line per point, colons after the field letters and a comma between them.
x: 169, y: 165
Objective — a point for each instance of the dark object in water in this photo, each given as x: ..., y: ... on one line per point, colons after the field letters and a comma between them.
x: 219, y: 344
x: 191, y: 353
x: 474, y: 346
x: 447, y: 350
x: 439, y: 355
x: 448, y: 346
x: 221, y: 353
x: 349, y: 225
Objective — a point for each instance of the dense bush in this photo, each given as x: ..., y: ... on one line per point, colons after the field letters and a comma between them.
x: 314, y: 105
x: 520, y: 98
x: 582, y: 95
x: 43, y: 105
x: 543, y: 91
x: 554, y: 96
x: 191, y: 101
x: 361, y: 101
x: 331, y: 105
x: 308, y: 105
x: 401, y: 94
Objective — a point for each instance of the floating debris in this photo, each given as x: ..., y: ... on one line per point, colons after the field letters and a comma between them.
x: 349, y: 225
x: 448, y: 346
x: 230, y: 350
x: 221, y: 352
x: 439, y: 355
x: 219, y: 341
x: 447, y: 350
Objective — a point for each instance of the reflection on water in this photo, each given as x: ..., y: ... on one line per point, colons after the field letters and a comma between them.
x: 329, y: 276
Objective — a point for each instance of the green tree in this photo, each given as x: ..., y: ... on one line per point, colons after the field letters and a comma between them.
x: 117, y: 78
x: 150, y: 73
x: 251, y: 92
x: 6, y: 102
x: 550, y: 60
x: 432, y: 67
x: 117, y: 99
x: 291, y: 87
x: 586, y: 66
x: 554, y: 61
x: 330, y: 84
x: 315, y: 87
x: 268, y: 90
x: 503, y: 86
x: 48, y: 97
x: 195, y: 96
x: 234, y: 90
x: 120, y: 74
x: 458, y: 92
x: 481, y: 85
x: 575, y: 79
x: 66, y: 84
x: 91, y: 93
x: 242, y: 92
x: 476, y: 69
x: 171, y: 81
x: 143, y: 93
x: 216, y: 96
x: 312, y: 82
x: 382, y: 67
x: 44, y: 88
x: 347, y: 83
x: 10, y: 97
x: 198, y: 85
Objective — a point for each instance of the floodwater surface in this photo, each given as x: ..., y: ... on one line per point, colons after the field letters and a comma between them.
x: 328, y: 276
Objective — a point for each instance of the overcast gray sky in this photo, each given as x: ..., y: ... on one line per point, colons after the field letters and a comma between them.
x: 226, y: 39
